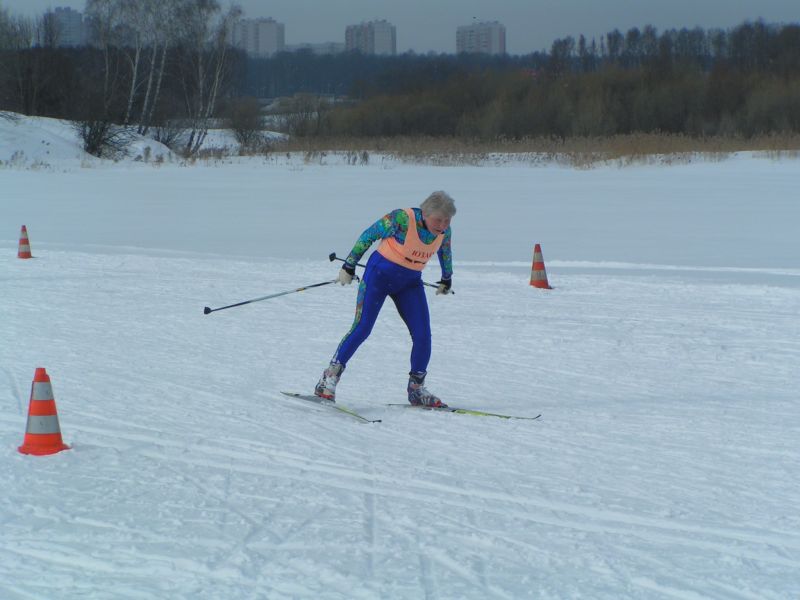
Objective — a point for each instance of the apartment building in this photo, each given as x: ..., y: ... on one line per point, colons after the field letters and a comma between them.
x: 481, y: 38
x: 259, y: 37
x: 71, y: 29
x: 373, y: 37
x: 320, y: 48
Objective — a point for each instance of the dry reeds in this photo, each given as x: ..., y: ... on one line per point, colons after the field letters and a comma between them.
x: 582, y: 152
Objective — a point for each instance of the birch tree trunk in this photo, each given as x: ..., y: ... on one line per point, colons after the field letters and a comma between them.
x: 210, y: 55
x: 148, y: 119
x: 134, y: 64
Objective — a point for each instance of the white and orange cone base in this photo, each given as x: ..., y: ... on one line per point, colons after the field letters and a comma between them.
x: 43, y: 433
x: 538, y: 272
x: 24, y: 249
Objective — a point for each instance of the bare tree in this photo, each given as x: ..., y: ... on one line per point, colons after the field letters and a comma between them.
x: 134, y: 39
x: 15, y: 36
x: 6, y: 30
x: 305, y: 114
x: 96, y: 127
x: 163, y: 33
x: 48, y: 30
x: 244, y: 119
x: 135, y: 17
x: 151, y: 31
x: 102, y: 138
x: 205, y: 69
x: 28, y: 65
x: 26, y: 68
x: 171, y: 133
x: 16, y: 33
x: 104, y: 17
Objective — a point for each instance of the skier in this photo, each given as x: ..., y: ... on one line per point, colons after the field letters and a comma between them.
x: 409, y: 237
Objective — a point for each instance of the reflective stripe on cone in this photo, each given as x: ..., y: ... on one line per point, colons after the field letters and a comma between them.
x: 43, y: 432
x: 538, y: 272
x: 24, y: 249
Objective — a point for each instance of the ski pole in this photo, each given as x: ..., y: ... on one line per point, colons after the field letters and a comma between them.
x: 207, y: 310
x: 332, y: 257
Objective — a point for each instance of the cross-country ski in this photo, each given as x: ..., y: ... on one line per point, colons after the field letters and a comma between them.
x: 465, y: 411
x: 331, y: 405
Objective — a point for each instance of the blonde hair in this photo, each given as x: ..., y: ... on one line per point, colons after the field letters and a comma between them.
x: 439, y: 203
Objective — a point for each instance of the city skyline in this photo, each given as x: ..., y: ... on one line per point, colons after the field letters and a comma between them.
x: 531, y: 25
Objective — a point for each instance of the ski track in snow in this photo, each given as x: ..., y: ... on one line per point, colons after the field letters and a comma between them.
x: 665, y: 464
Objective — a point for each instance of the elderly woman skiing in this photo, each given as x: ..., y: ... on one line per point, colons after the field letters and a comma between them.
x: 409, y: 238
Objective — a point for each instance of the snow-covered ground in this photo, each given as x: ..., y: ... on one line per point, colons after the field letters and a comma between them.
x: 665, y: 363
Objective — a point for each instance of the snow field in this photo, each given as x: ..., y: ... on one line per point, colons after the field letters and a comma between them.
x: 653, y: 474
x: 665, y: 363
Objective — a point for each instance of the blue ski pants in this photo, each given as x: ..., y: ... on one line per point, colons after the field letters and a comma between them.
x: 384, y: 278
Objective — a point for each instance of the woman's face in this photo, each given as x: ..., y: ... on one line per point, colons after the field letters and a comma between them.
x: 437, y: 223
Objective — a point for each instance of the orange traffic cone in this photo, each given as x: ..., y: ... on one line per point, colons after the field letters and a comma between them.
x: 538, y: 274
x: 24, y: 250
x: 43, y: 434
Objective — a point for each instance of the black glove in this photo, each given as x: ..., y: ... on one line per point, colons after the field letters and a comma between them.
x: 444, y: 286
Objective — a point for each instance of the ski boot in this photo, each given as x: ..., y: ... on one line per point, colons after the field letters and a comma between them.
x: 326, y: 386
x: 418, y: 394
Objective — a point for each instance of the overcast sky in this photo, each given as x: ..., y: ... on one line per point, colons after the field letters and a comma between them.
x: 429, y: 25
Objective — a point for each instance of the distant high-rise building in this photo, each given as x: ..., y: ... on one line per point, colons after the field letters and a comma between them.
x: 258, y: 37
x: 374, y: 37
x: 320, y: 48
x: 71, y: 27
x: 481, y: 38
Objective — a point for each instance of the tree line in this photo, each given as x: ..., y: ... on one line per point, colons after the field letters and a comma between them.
x: 741, y: 82
x: 166, y: 68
